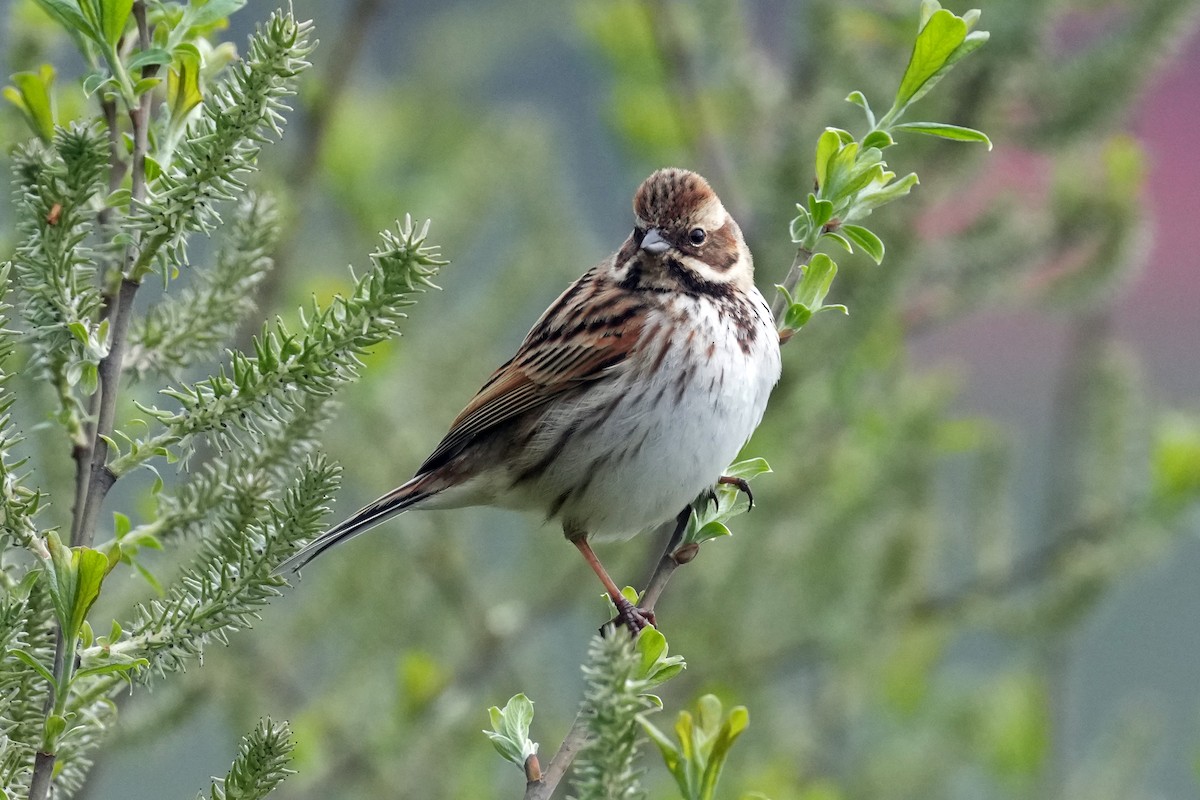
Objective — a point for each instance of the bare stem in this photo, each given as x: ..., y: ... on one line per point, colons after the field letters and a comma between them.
x: 100, y: 478
x: 794, y: 274
x: 93, y: 483
x: 575, y: 739
x: 81, y: 449
x: 43, y: 769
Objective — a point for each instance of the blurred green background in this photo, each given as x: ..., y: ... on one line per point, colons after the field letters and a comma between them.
x: 973, y: 573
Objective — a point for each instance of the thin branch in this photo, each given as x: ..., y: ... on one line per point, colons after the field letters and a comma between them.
x: 85, y: 512
x: 574, y: 741
x: 81, y: 451
x: 789, y: 282
x: 101, y: 479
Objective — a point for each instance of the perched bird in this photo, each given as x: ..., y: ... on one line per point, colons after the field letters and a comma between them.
x: 627, y: 399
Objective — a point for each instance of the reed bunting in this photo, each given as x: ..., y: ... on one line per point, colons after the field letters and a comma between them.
x: 627, y: 399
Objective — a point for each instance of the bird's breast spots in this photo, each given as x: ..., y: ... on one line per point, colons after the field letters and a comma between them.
x: 744, y: 322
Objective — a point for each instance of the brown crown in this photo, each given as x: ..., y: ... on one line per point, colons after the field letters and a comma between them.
x: 670, y: 196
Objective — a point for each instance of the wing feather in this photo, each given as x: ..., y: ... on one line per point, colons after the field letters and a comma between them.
x: 583, y: 336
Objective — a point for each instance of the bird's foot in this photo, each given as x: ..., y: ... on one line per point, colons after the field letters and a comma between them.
x: 631, y: 617
x: 739, y: 484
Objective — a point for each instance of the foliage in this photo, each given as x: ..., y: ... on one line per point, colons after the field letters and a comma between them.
x: 916, y: 584
x: 260, y: 766
x: 617, y: 684
x: 704, y: 742
x: 94, y: 216
x: 852, y: 179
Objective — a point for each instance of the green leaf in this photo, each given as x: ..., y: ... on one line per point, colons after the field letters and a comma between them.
x: 940, y: 36
x: 1016, y: 730
x: 810, y: 294
x: 74, y: 575
x: 115, y: 667
x: 801, y: 226
x: 146, y: 84
x: 202, y: 13
x: 860, y: 100
x: 68, y: 15
x: 928, y: 7
x: 945, y: 131
x: 818, y: 277
x: 712, y: 530
x: 731, y: 728
x: 1176, y: 461
x: 510, y: 730
x: 835, y: 236
x: 183, y: 83
x: 114, y: 14
x: 880, y: 140
x: 749, y: 469
x: 655, y: 666
x: 32, y: 96
x: 37, y: 666
x: 94, y: 82
x: 669, y: 751
x: 820, y: 211
x: 828, y: 145
x: 145, y: 58
x: 796, y: 316
x: 56, y: 726
x: 871, y: 244
x: 881, y: 194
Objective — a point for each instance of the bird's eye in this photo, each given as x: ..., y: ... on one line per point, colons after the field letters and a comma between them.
x: 697, y: 236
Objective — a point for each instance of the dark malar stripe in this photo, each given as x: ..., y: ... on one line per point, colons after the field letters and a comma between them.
x: 691, y: 283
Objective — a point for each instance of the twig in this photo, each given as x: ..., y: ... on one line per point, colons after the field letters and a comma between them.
x: 81, y: 449
x: 100, y: 479
x: 794, y: 274
x: 1091, y: 334
x: 574, y: 741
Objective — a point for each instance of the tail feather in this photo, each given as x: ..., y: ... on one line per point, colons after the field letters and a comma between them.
x: 394, y: 502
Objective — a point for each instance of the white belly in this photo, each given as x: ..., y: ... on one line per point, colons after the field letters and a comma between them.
x: 645, y: 444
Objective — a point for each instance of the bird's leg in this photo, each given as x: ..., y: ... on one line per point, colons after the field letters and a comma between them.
x: 740, y: 484
x: 628, y: 614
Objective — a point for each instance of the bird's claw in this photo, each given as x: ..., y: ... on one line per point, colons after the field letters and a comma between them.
x: 632, y: 617
x: 740, y: 484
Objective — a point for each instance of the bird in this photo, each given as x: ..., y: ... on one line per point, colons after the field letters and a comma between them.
x: 625, y: 401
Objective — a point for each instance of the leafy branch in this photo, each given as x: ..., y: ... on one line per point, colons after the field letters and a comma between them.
x: 99, y: 209
x: 322, y: 356
x: 852, y: 178
x: 260, y: 766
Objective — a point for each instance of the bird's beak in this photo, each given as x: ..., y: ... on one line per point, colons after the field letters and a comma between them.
x: 654, y: 244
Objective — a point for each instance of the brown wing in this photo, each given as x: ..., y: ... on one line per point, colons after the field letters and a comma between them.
x: 588, y: 331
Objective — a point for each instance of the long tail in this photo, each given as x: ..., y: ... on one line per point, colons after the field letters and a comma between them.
x: 394, y: 502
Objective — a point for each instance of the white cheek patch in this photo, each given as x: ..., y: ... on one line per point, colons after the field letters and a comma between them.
x: 703, y: 271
